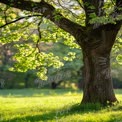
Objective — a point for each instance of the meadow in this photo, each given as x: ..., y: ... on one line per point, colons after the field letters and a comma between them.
x: 60, y: 105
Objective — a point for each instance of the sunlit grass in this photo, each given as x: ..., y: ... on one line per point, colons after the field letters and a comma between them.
x: 38, y: 105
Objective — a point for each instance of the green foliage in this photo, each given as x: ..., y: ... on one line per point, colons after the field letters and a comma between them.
x: 104, y: 19
x: 107, y: 17
x: 119, y: 46
x: 29, y: 58
x: 117, y: 50
x: 30, y: 54
x: 119, y: 58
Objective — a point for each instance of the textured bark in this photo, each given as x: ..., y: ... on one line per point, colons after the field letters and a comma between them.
x: 97, y: 80
x: 98, y: 87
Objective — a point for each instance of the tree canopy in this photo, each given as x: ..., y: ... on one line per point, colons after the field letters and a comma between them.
x: 72, y: 16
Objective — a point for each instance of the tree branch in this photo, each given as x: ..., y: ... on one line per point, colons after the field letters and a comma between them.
x: 40, y: 36
x: 93, y: 6
x: 117, y: 11
x: 65, y: 8
x: 119, y: 6
x: 80, y: 4
x: 20, y: 18
x: 47, y: 11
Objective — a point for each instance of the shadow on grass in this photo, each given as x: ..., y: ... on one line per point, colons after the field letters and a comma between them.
x: 68, y: 111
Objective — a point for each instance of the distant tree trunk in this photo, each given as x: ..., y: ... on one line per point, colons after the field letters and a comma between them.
x: 98, y: 85
x: 53, y: 85
x: 27, y: 80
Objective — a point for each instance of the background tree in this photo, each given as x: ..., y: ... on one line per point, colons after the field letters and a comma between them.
x: 96, y: 34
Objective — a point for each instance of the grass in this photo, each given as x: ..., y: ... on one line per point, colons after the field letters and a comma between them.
x: 61, y: 105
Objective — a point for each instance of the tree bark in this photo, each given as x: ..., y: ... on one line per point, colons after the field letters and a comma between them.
x: 98, y: 87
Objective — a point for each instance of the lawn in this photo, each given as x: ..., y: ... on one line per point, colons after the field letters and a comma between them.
x: 61, y: 105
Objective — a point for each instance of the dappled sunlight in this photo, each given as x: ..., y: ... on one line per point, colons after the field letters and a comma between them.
x: 54, y: 105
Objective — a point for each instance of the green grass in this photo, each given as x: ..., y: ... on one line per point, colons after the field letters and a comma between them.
x: 61, y: 105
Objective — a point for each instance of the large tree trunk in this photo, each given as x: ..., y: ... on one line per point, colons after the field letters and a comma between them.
x: 98, y: 82
x: 98, y: 87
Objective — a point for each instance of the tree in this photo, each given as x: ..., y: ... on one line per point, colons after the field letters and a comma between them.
x: 96, y: 37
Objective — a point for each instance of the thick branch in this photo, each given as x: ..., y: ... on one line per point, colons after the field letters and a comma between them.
x: 48, y: 11
x: 93, y: 6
